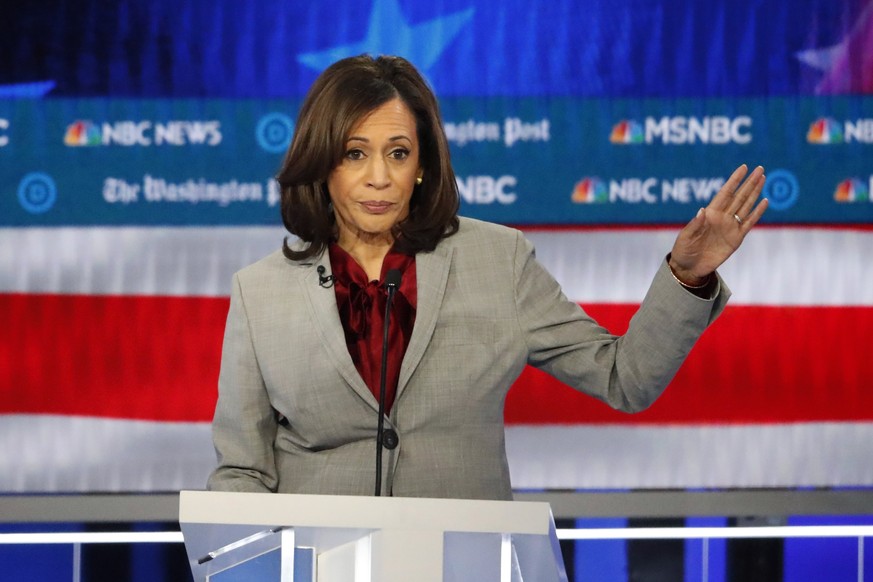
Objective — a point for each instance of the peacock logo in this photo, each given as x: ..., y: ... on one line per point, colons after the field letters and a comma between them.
x: 590, y: 191
x: 851, y: 190
x: 825, y: 130
x: 626, y: 132
x: 83, y: 133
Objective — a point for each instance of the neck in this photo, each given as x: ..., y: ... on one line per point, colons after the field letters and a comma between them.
x: 368, y: 252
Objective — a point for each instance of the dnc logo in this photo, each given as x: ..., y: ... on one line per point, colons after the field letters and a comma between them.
x: 781, y: 189
x: 274, y: 132
x: 590, y: 190
x: 852, y: 190
x: 825, y: 130
x: 37, y: 192
x: 626, y: 132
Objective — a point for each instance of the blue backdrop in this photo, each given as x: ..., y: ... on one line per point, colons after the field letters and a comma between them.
x: 620, y: 112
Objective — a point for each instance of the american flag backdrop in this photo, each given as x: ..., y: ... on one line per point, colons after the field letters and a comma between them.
x: 111, y: 346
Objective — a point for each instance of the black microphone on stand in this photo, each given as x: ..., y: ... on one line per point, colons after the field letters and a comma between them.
x: 392, y: 282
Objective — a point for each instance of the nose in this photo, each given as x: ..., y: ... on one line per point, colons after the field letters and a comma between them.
x: 378, y: 173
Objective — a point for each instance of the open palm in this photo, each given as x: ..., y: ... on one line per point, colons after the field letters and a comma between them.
x: 719, y: 229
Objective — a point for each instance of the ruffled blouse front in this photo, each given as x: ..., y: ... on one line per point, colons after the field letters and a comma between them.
x: 361, y: 306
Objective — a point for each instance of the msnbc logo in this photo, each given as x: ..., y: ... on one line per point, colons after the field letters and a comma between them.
x: 683, y: 130
x: 590, y: 190
x: 825, y: 130
x: 851, y: 190
x: 83, y: 133
x: 625, y: 132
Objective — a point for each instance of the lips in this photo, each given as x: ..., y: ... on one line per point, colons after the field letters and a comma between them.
x: 377, y: 206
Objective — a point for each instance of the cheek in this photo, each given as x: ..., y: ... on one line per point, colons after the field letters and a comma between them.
x: 337, y: 189
x: 408, y: 181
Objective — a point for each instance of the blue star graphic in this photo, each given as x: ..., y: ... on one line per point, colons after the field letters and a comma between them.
x: 389, y: 34
x: 26, y: 90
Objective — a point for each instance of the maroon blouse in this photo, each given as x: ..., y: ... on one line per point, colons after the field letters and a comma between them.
x: 361, y: 306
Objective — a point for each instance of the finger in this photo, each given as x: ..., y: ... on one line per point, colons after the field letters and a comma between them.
x: 753, y: 196
x: 698, y: 223
x: 746, y: 189
x: 721, y: 200
x: 755, y: 215
x: 743, y: 192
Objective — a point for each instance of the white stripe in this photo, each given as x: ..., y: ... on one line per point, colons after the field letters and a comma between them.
x: 775, y: 266
x: 656, y: 457
x: 121, y: 537
x: 130, y: 261
x: 73, y: 454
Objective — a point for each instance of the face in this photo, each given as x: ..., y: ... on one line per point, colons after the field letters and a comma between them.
x: 372, y: 186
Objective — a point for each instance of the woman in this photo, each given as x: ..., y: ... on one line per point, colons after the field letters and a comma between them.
x: 367, y: 186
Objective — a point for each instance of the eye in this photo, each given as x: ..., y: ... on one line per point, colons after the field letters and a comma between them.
x: 399, y: 154
x: 354, y: 154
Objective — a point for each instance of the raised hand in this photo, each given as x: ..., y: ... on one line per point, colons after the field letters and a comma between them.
x: 719, y: 229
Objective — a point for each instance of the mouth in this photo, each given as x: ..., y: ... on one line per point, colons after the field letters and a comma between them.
x: 377, y: 206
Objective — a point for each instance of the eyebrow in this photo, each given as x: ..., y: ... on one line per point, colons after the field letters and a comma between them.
x: 392, y: 138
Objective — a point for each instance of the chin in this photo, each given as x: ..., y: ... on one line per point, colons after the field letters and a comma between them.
x: 378, y: 224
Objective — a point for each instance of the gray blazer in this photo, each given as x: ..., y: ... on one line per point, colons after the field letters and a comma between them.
x: 486, y: 308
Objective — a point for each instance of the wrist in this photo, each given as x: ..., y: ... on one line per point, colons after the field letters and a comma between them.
x: 685, y: 277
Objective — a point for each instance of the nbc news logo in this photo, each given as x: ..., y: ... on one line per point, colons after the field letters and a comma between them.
x: 827, y: 130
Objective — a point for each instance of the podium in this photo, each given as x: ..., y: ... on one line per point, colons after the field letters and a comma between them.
x: 232, y: 537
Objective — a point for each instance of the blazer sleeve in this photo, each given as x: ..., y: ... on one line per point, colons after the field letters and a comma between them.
x: 627, y: 372
x: 245, y: 424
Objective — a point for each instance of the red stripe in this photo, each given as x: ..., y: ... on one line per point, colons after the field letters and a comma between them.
x: 153, y: 358
x: 754, y: 365
x: 157, y: 358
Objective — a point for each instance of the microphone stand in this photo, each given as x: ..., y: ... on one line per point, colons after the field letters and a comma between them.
x: 392, y: 282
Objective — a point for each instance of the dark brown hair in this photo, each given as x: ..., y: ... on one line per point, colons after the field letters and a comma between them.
x: 342, y: 95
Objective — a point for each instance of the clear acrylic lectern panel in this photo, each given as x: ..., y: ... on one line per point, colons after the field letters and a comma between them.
x: 330, y: 538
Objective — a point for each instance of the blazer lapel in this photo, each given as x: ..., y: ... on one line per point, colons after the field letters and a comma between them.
x: 324, y: 312
x: 432, y: 274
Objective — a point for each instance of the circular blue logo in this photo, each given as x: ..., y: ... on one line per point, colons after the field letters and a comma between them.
x: 37, y: 192
x: 274, y: 132
x: 781, y: 189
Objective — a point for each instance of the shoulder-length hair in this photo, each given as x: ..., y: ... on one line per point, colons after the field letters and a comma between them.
x: 342, y: 95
